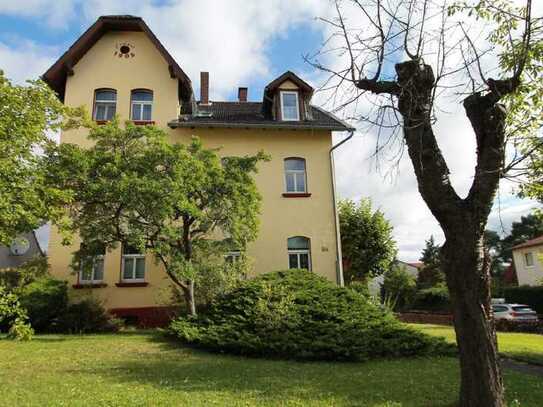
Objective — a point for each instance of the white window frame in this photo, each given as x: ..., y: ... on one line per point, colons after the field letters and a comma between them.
x: 296, y: 174
x: 106, y: 102
x: 298, y: 253
x: 93, y: 280
x: 529, y: 255
x: 133, y: 279
x: 286, y: 92
x: 141, y: 104
x: 234, y: 255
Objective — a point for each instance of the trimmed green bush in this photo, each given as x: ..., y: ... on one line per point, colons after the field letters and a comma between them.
x: 13, y: 318
x: 529, y: 295
x: 45, y: 300
x: 88, y: 316
x: 297, y: 314
x: 432, y: 299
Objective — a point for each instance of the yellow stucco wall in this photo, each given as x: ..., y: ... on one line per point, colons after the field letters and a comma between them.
x: 281, y: 217
x: 529, y: 275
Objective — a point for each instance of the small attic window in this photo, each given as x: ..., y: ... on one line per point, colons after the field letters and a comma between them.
x: 290, y: 107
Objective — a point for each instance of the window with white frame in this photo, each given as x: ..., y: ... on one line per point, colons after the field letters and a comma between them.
x: 133, y: 265
x: 141, y: 105
x: 290, y: 107
x: 295, y: 175
x: 105, y: 104
x: 299, y: 253
x: 92, y: 269
x: 529, y: 259
x: 232, y: 257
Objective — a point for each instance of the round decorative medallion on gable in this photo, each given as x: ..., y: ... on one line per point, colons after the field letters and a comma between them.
x: 19, y: 246
x: 124, y: 50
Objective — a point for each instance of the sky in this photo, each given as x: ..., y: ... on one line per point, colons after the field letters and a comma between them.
x: 249, y: 43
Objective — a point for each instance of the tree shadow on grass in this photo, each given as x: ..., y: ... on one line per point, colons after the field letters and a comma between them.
x: 175, y: 368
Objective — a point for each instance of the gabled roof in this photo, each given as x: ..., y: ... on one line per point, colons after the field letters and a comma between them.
x: 56, y: 75
x: 538, y: 241
x: 272, y: 87
x: 249, y: 115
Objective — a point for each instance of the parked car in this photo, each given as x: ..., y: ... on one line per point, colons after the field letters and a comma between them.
x: 514, y: 312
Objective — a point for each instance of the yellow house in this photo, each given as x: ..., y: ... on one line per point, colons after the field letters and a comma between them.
x: 118, y: 66
x: 528, y: 259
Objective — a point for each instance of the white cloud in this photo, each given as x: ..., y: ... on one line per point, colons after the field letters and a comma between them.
x: 23, y: 59
x: 54, y: 13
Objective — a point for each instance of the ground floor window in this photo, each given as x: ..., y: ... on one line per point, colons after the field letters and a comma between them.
x: 133, y: 265
x: 232, y: 257
x: 299, y: 253
x: 92, y: 270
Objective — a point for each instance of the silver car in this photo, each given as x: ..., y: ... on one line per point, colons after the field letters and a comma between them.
x: 514, y: 312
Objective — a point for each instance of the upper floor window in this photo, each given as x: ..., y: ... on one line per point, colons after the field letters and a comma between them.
x: 295, y: 176
x: 133, y: 264
x: 299, y: 253
x: 232, y: 257
x: 290, y: 108
x: 529, y: 259
x: 105, y: 104
x: 141, y: 105
x: 92, y: 269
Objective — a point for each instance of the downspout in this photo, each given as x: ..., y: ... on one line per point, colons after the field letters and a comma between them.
x: 339, y: 261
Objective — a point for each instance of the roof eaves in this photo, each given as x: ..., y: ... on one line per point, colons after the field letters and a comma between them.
x: 278, y: 126
x: 347, y: 126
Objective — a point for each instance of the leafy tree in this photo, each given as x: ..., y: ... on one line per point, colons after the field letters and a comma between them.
x: 366, y: 241
x: 436, y: 56
x: 177, y: 202
x: 27, y: 197
x: 399, y: 287
x: 529, y: 227
x: 430, y: 274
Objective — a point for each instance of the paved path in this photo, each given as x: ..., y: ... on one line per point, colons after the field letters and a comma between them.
x: 522, y: 367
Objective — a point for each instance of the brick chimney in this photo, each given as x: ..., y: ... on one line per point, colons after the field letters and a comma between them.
x: 204, y: 88
x: 242, y: 94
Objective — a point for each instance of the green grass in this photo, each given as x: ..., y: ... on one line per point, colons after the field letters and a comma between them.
x: 143, y: 369
x: 524, y: 347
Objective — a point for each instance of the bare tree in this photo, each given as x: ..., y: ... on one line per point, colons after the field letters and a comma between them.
x: 434, y: 52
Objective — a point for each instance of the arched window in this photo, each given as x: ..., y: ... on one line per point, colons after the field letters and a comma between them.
x: 141, y: 102
x: 299, y: 253
x: 105, y: 104
x: 295, y: 175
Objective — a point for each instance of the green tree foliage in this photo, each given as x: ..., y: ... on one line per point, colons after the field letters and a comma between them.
x: 430, y: 274
x: 176, y: 202
x: 297, y: 314
x: 13, y: 316
x: 399, y: 287
x: 529, y: 227
x: 27, y: 196
x: 366, y: 241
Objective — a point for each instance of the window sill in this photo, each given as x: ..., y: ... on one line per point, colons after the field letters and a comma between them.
x: 101, y: 122
x: 140, y: 284
x: 296, y: 195
x: 143, y: 122
x: 82, y: 286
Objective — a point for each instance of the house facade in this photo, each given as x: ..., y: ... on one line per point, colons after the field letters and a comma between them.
x: 119, y: 67
x: 528, y: 260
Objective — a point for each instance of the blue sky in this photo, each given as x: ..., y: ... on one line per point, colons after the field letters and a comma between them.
x: 249, y: 43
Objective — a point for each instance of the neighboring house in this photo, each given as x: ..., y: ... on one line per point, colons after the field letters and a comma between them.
x: 22, y: 249
x: 118, y: 66
x: 411, y: 268
x: 528, y: 261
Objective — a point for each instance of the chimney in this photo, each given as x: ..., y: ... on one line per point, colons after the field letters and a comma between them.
x: 204, y: 88
x: 242, y: 94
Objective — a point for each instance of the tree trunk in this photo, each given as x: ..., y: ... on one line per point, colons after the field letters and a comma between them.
x: 468, y: 279
x: 189, y: 298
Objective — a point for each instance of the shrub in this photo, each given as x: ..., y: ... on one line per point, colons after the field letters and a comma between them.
x: 87, y: 316
x: 45, y: 300
x: 529, y: 295
x: 297, y: 314
x: 433, y: 299
x: 13, y: 317
x: 26, y: 273
x: 504, y: 325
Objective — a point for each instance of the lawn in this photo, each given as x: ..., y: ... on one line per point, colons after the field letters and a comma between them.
x: 524, y: 347
x: 141, y: 368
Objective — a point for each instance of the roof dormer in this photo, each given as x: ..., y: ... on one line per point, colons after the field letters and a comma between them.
x: 287, y: 98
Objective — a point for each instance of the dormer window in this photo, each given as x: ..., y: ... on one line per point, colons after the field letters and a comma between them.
x: 141, y: 105
x: 290, y: 107
x: 105, y: 104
